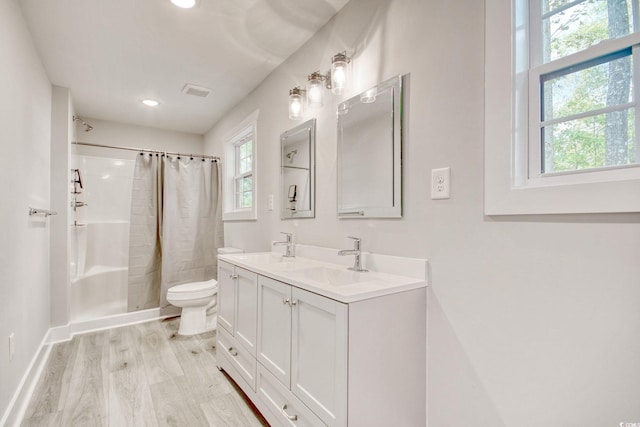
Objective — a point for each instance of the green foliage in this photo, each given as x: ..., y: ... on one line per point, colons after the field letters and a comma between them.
x: 582, y: 143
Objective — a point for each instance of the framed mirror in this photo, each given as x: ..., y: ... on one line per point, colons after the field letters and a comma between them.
x: 369, y: 153
x: 297, y: 171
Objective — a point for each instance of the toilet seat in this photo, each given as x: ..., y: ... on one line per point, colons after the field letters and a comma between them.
x: 194, y: 290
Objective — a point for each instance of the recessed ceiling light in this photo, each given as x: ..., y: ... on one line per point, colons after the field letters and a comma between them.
x: 185, y: 4
x: 150, y: 102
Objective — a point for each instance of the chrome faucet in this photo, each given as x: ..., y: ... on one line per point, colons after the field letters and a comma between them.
x: 357, y: 264
x: 77, y: 204
x: 290, y: 250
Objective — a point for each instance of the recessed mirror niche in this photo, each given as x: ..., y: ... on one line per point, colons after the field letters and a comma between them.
x: 369, y: 153
x: 297, y: 171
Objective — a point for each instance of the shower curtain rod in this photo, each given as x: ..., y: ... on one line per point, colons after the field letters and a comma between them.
x: 90, y: 144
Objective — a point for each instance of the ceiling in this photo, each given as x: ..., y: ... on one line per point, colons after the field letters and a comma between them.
x: 112, y: 54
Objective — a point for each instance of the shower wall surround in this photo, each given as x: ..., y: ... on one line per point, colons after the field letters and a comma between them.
x: 100, y: 238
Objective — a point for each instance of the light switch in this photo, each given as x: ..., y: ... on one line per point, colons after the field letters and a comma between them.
x: 270, y: 202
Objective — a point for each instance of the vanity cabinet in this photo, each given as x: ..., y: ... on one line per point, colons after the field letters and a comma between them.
x: 302, y: 342
x: 237, y: 311
x: 307, y: 359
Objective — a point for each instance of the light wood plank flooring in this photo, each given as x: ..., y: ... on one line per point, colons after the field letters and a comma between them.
x: 138, y: 375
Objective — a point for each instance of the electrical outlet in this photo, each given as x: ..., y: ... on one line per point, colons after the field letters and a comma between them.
x: 441, y: 183
x: 11, y: 345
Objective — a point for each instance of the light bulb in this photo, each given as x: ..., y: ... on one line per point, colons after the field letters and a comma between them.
x: 150, y: 102
x: 314, y: 90
x: 339, y: 65
x: 296, y: 106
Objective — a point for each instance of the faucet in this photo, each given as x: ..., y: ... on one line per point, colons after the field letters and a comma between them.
x: 357, y: 265
x: 77, y: 204
x: 290, y: 251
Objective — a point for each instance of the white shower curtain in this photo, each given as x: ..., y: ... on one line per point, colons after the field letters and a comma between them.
x: 179, y: 243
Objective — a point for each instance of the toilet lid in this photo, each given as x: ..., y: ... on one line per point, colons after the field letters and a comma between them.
x: 194, y: 289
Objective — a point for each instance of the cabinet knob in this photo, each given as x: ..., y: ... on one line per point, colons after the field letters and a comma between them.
x: 293, y: 302
x: 233, y: 276
x: 284, y: 412
x: 285, y: 300
x: 232, y: 352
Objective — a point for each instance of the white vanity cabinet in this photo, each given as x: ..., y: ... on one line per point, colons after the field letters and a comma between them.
x: 344, y: 354
x: 237, y: 311
x: 302, y: 342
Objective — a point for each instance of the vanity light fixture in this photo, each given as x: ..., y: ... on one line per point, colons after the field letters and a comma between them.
x: 339, y: 72
x: 150, y: 102
x: 184, y: 4
x: 296, y: 103
x: 336, y: 79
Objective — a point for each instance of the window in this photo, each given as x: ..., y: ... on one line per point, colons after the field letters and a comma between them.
x: 240, y: 171
x: 561, y: 138
x: 583, y: 105
x: 243, y: 176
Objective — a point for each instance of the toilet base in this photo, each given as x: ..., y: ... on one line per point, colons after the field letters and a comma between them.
x: 194, y: 320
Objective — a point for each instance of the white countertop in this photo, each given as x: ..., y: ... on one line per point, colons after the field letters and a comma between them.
x: 328, y: 279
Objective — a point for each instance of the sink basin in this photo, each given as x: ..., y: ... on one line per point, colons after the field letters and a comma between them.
x: 331, y: 276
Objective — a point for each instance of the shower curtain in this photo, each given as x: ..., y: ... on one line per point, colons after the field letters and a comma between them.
x: 181, y: 234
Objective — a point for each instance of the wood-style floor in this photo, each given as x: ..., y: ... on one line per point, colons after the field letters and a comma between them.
x: 137, y: 375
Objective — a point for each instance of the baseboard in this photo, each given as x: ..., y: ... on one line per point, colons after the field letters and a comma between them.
x: 18, y: 404
x: 66, y: 332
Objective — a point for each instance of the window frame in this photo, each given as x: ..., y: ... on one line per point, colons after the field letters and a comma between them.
x: 243, y: 132
x: 512, y: 139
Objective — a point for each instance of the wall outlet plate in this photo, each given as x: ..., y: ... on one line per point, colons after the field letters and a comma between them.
x: 441, y: 183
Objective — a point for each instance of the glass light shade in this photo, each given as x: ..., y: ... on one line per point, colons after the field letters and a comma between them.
x: 314, y: 91
x: 150, y: 102
x: 339, y: 71
x: 296, y: 104
x: 338, y: 77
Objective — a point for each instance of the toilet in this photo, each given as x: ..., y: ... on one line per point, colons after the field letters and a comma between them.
x: 198, y: 301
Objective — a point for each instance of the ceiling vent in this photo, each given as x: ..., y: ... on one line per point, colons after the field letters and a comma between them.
x: 194, y: 90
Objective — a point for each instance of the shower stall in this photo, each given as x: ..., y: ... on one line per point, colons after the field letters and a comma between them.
x: 101, y: 205
x: 111, y: 272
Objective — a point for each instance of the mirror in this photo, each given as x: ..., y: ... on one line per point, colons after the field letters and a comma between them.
x: 297, y: 171
x: 369, y: 150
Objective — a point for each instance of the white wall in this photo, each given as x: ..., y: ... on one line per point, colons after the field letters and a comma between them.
x: 125, y: 135
x: 533, y: 320
x: 25, y: 137
x: 62, y: 133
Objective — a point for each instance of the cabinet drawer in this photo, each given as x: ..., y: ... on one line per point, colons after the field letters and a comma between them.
x: 282, y: 405
x: 238, y: 357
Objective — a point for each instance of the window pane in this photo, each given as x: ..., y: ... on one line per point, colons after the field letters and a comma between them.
x: 248, y: 183
x: 247, y: 200
x: 605, y: 85
x: 583, y: 25
x: 592, y: 142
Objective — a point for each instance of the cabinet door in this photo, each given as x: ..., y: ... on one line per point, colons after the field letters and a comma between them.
x: 274, y: 328
x: 246, y: 309
x: 226, y: 296
x: 319, y: 355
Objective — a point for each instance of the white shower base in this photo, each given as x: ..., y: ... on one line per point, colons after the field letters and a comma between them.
x: 101, y: 291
